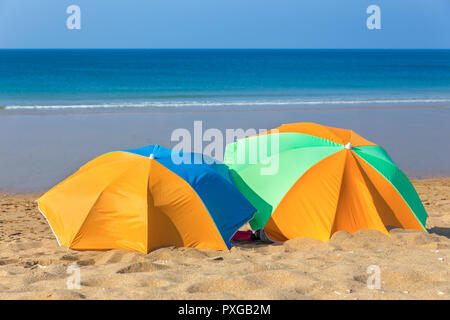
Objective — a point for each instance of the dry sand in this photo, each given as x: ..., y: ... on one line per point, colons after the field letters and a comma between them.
x: 413, y: 264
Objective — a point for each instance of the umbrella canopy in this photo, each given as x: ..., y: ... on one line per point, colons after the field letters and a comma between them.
x: 143, y: 199
x: 328, y: 179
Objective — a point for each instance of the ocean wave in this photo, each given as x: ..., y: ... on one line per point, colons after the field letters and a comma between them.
x: 206, y: 104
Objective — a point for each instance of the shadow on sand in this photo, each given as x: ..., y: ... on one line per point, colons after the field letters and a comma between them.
x: 440, y: 231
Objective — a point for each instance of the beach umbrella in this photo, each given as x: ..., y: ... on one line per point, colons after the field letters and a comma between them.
x: 326, y: 180
x: 146, y: 198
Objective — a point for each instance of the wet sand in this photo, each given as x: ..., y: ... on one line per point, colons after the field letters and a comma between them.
x: 41, y: 148
x: 413, y: 264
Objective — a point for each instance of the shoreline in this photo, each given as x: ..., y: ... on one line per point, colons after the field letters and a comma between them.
x: 224, y: 108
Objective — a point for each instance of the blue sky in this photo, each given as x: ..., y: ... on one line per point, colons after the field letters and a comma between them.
x: 225, y: 24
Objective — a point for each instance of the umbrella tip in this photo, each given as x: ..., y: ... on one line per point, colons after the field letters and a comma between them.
x: 348, y: 146
x: 152, y: 156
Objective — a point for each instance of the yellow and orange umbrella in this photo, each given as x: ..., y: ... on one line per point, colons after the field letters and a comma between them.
x: 143, y: 199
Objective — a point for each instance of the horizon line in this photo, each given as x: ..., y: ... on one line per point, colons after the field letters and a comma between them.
x: 113, y: 48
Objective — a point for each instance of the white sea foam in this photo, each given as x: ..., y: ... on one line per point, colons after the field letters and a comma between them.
x: 203, y: 104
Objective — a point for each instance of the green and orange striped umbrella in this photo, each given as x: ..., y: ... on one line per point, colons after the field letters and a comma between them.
x: 327, y: 180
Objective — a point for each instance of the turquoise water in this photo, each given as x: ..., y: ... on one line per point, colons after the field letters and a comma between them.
x: 240, y: 79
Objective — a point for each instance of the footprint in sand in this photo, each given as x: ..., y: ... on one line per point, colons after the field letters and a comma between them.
x: 86, y: 262
x: 8, y: 261
x: 143, y: 267
x: 69, y: 257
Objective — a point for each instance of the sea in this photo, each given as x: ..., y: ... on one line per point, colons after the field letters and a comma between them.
x: 68, y: 79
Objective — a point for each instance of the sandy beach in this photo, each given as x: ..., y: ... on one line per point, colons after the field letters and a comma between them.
x: 413, y: 264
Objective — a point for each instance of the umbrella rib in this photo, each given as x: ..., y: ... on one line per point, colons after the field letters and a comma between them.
x: 339, y: 198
